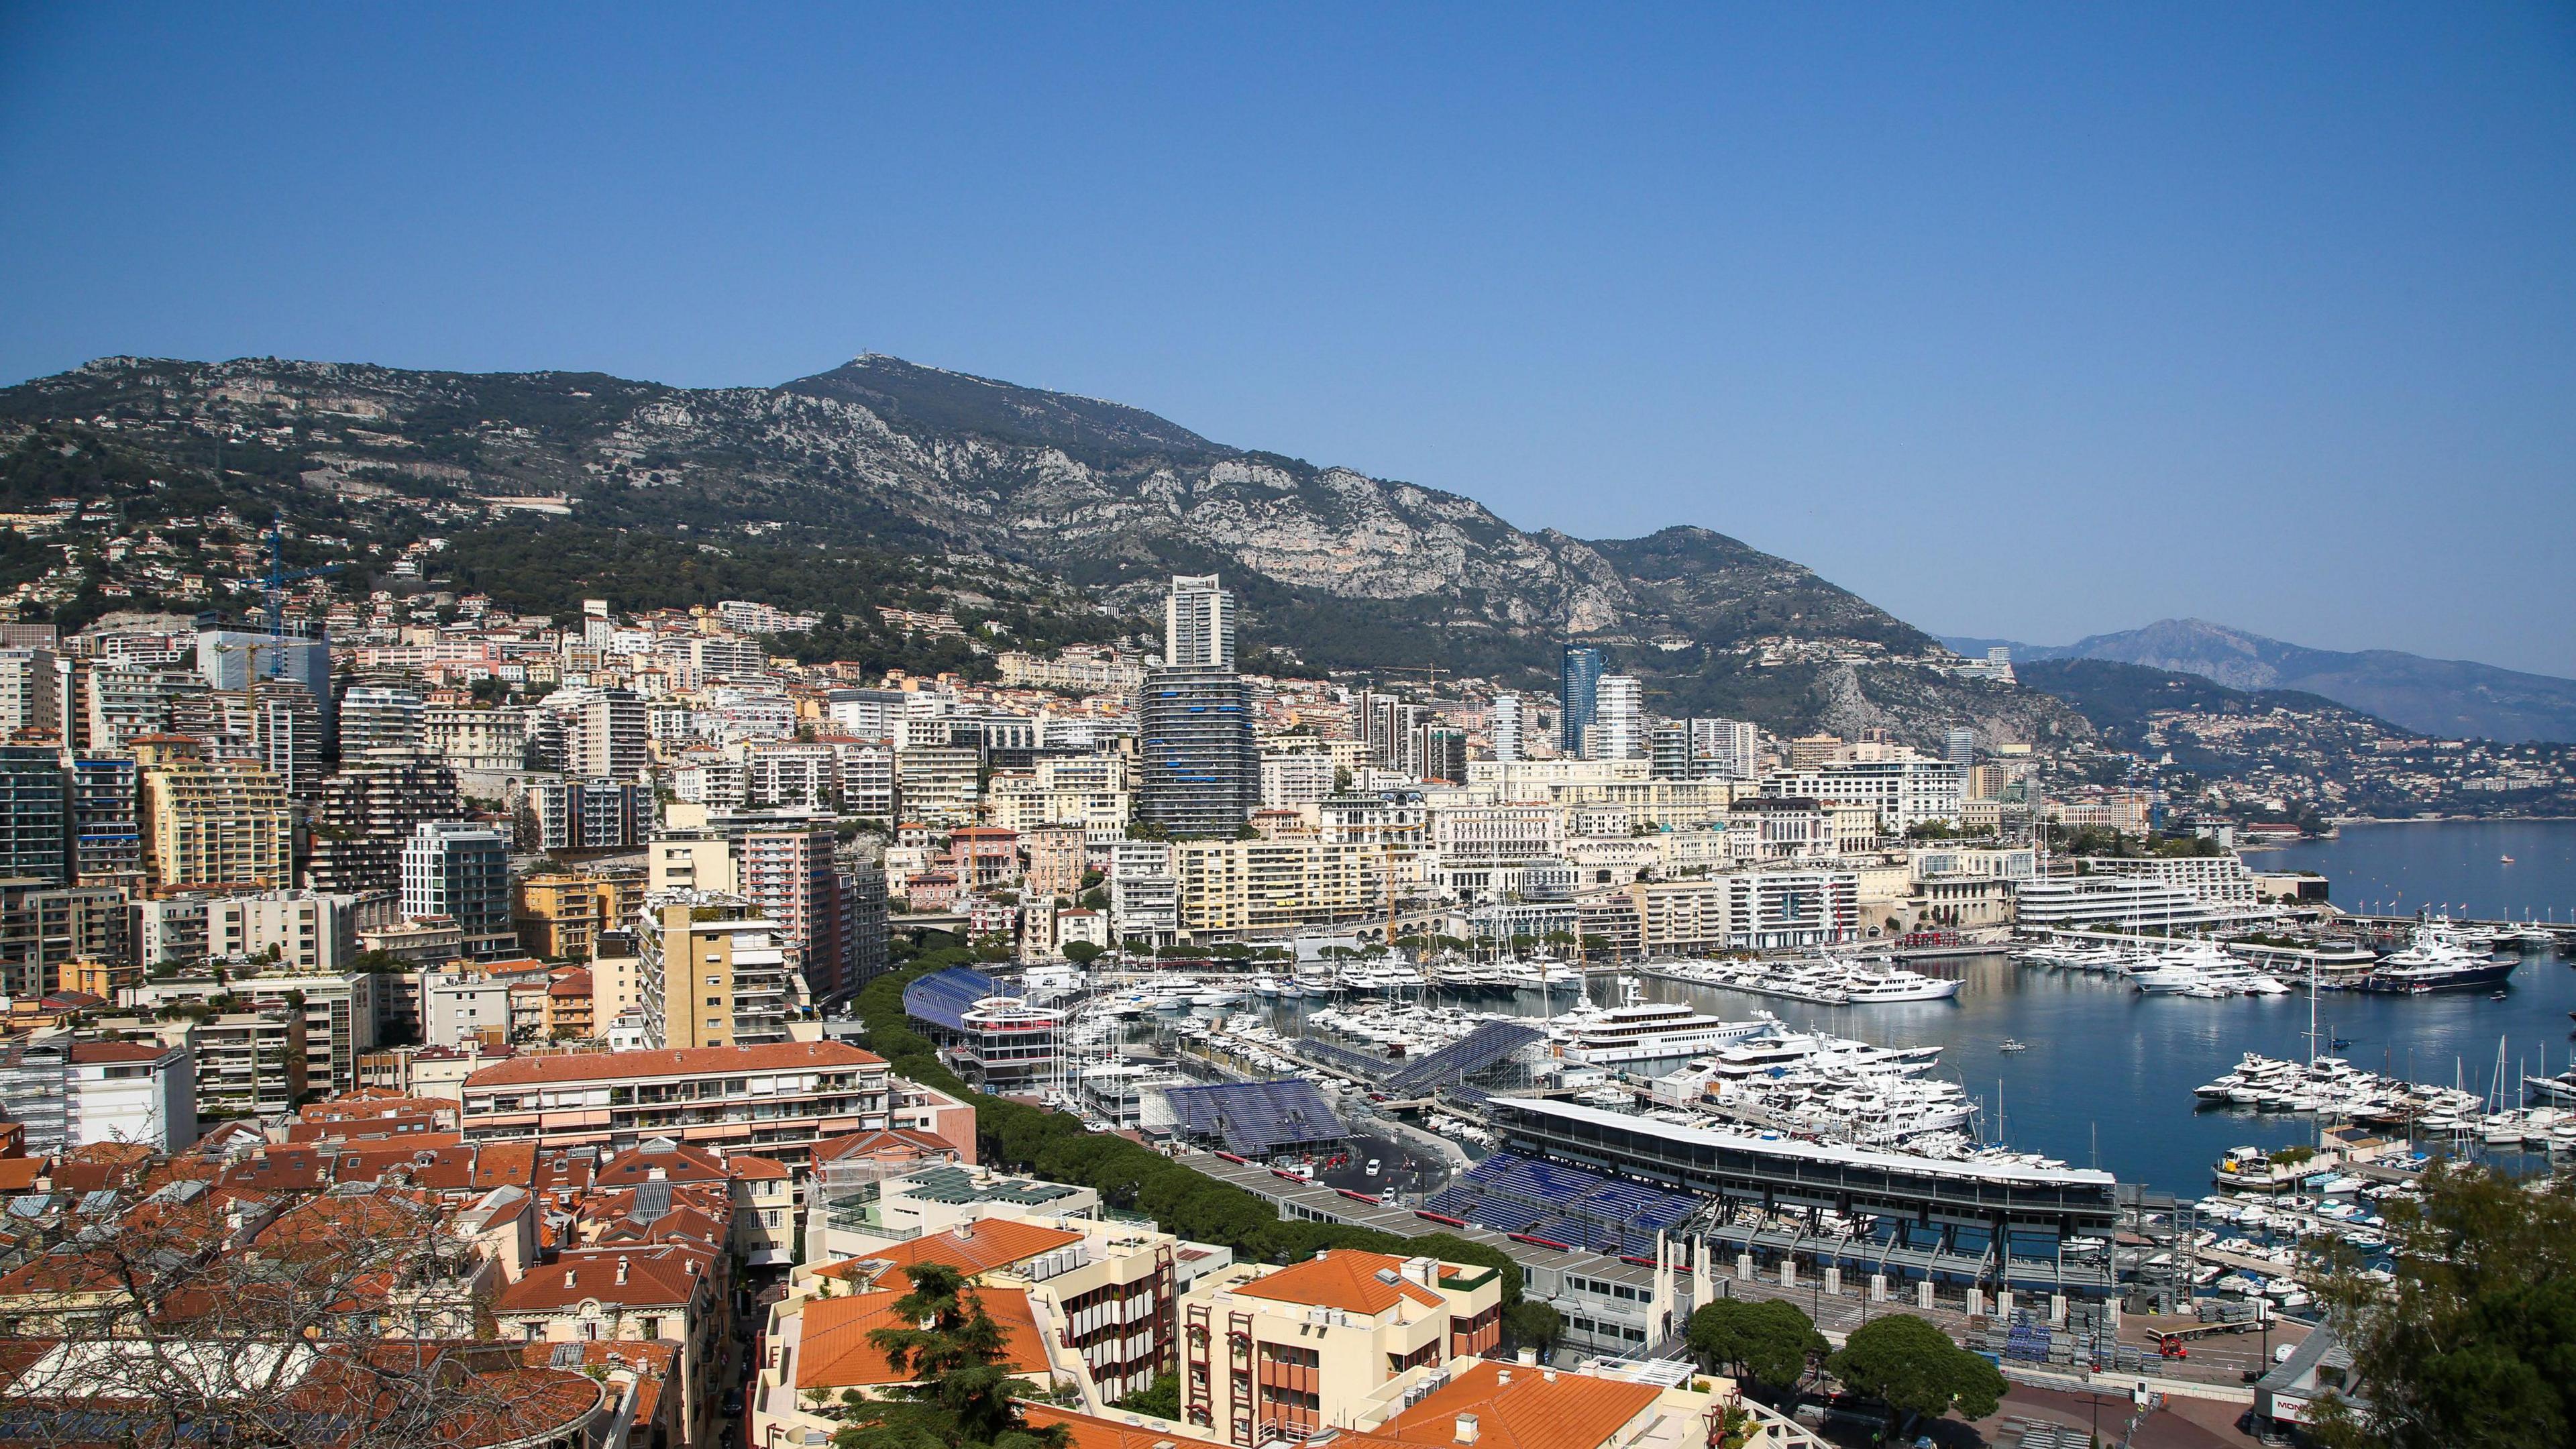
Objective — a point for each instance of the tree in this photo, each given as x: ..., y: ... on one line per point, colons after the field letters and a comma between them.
x: 1914, y: 1368
x: 1163, y: 1400
x: 959, y: 1392
x: 1081, y: 953
x: 2470, y: 1345
x: 1767, y: 1342
x: 1533, y: 1325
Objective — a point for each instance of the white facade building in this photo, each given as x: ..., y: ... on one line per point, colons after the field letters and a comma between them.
x: 1198, y: 624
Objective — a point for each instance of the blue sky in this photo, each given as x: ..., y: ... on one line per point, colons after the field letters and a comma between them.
x: 2020, y: 321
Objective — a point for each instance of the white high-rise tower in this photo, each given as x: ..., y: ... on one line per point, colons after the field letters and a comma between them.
x: 1622, y: 719
x: 1198, y: 624
x: 1507, y: 727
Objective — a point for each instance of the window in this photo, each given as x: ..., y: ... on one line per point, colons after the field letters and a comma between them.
x: 533, y: 1331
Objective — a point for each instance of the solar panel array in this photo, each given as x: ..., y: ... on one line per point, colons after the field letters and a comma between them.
x: 942, y: 998
x: 1562, y: 1204
x: 1255, y: 1119
x: 1475, y: 1051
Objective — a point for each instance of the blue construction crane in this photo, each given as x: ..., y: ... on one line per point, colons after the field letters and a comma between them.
x: 272, y: 591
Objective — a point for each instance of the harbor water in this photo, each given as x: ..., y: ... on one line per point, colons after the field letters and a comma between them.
x: 2106, y: 1076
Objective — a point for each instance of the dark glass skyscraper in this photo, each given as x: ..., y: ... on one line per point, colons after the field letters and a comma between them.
x: 1198, y: 771
x: 1578, y: 695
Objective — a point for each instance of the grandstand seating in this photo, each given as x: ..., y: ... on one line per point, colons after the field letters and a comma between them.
x: 1475, y: 1051
x: 1256, y: 1119
x: 943, y: 998
x: 1359, y: 1064
x: 1563, y: 1204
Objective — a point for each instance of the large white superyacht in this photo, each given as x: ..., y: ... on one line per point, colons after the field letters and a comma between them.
x: 1640, y: 1033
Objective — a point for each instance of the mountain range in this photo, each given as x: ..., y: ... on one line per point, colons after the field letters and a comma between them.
x: 2447, y: 698
x: 547, y: 487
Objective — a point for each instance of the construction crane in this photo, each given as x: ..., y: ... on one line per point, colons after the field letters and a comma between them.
x: 272, y: 593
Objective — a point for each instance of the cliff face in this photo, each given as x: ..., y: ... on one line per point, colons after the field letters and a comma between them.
x: 1345, y: 570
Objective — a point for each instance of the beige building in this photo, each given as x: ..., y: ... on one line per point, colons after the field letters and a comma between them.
x: 1239, y: 886
x: 1489, y: 1405
x: 712, y: 972
x: 1286, y: 1353
x: 212, y: 822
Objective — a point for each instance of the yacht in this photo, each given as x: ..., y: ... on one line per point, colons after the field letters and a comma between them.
x: 2434, y: 960
x: 1895, y: 984
x: 1642, y: 1032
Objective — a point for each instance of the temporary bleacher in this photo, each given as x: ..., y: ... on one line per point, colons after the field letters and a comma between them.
x: 1562, y: 1204
x: 1256, y: 1119
x: 1474, y: 1052
x: 1359, y: 1064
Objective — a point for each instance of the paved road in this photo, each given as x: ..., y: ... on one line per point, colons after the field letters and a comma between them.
x: 1402, y: 1166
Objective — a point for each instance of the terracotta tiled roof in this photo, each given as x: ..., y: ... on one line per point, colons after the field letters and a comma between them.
x: 835, y: 1353
x: 1572, y: 1412
x: 993, y: 1243
x: 1575, y: 1411
x: 686, y: 1062
x: 679, y: 1163
x: 667, y: 1273
x: 19, y: 1174
x: 1343, y: 1278
x: 907, y: 1141
x: 119, y: 1051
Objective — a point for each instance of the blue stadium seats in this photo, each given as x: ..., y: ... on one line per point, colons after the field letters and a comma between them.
x: 1255, y: 1119
x: 943, y: 998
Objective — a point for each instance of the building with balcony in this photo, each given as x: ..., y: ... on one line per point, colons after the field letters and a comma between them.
x: 1287, y: 1353
x: 713, y: 971
x: 772, y: 1101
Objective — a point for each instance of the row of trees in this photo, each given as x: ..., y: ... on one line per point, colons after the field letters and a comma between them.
x: 1899, y: 1360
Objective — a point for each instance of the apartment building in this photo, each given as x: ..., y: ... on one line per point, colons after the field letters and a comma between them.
x: 939, y: 783
x: 250, y: 1063
x: 1287, y: 1353
x: 335, y: 1013
x: 1108, y: 1286
x: 43, y: 926
x: 107, y: 824
x: 477, y: 739
x: 365, y: 814
x: 560, y: 914
x: 213, y: 822
x: 772, y: 1101
x: 2219, y: 882
x: 35, y: 814
x: 1904, y: 792
x: 65, y: 1093
x: 459, y: 871
x: 587, y: 815
x: 713, y: 970
x: 1770, y: 910
x: 791, y: 877
x: 1235, y: 887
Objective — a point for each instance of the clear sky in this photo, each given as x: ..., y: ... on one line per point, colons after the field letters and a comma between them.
x: 2025, y: 322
